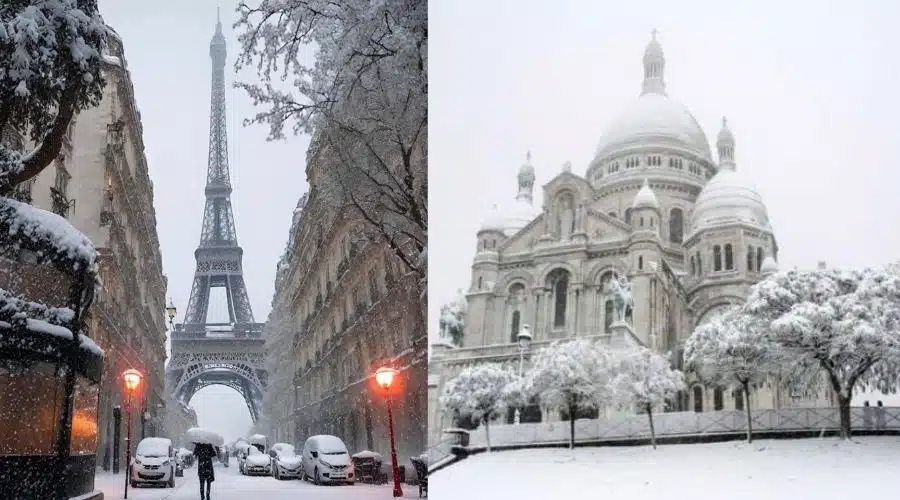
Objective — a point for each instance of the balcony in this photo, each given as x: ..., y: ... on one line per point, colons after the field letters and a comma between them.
x: 60, y: 205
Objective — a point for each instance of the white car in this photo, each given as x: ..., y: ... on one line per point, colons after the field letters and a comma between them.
x: 285, y: 462
x: 153, y: 463
x: 257, y: 463
x: 326, y: 460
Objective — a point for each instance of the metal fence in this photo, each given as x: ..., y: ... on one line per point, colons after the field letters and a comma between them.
x: 631, y: 427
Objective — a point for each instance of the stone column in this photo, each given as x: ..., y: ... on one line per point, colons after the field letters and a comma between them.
x: 573, y: 310
x: 537, y: 297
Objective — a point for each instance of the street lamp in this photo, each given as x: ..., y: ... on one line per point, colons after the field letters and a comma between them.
x: 132, y: 379
x: 385, y: 377
x: 524, y: 338
x: 171, y: 311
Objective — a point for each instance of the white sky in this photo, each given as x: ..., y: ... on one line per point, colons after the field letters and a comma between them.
x: 167, y: 50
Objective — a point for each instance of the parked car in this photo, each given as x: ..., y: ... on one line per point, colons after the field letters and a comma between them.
x: 285, y: 462
x: 257, y: 463
x: 325, y: 459
x: 259, y: 441
x: 153, y: 463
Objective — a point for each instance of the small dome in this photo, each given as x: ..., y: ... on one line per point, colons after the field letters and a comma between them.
x: 654, y: 120
x: 527, y: 169
x: 654, y: 50
x: 769, y: 266
x: 518, y: 215
x: 725, y: 137
x: 493, y: 221
x: 728, y: 197
x: 645, y: 198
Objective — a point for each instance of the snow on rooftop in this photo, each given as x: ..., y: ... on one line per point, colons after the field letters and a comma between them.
x: 786, y: 469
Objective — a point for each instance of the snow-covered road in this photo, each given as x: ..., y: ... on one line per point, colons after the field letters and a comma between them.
x: 821, y: 469
x: 230, y: 485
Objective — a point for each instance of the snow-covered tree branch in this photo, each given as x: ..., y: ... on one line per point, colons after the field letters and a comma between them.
x: 731, y: 350
x: 453, y: 319
x: 844, y: 325
x: 364, y: 101
x: 646, y: 380
x: 50, y: 53
x: 573, y: 376
x: 478, y: 391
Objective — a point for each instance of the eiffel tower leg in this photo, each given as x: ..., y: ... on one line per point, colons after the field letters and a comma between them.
x: 241, y: 300
x: 229, y: 290
x: 199, y: 301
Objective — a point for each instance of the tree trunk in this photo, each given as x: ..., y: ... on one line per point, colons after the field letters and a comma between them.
x: 487, y: 432
x: 746, y: 391
x: 844, y: 406
x: 572, y: 410
x: 652, y: 430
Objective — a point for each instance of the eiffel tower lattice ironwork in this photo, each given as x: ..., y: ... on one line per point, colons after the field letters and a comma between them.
x: 224, y: 353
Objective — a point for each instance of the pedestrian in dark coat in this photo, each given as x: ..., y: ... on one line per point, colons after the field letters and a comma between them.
x: 205, y: 453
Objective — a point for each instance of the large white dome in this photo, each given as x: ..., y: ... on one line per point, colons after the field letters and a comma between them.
x: 727, y: 198
x: 654, y: 120
x: 518, y: 215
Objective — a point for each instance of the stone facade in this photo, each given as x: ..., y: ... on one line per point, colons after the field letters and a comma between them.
x: 100, y: 183
x: 343, y: 307
x: 690, y: 235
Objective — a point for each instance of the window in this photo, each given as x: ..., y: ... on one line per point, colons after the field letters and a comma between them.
x: 738, y: 400
x: 640, y: 262
x: 750, y: 259
x: 608, y: 316
x: 698, y: 399
x: 514, y: 327
x: 718, y: 399
x: 479, y: 283
x: 642, y: 222
x: 729, y: 257
x: 627, y: 216
x: 693, y: 267
x: 559, y: 282
x: 676, y: 225
x: 717, y: 258
x: 699, y: 265
x: 759, y: 257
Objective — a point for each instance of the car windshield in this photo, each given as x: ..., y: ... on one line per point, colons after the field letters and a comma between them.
x: 153, y: 447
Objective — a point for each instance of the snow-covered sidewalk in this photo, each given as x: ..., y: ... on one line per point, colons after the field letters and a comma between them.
x: 820, y: 469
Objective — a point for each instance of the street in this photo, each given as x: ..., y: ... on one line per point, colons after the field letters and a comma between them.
x: 230, y: 485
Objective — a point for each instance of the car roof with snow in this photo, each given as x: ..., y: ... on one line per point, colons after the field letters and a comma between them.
x: 157, y: 445
x: 326, y: 443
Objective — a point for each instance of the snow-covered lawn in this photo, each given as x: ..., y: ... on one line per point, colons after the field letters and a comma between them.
x: 820, y: 469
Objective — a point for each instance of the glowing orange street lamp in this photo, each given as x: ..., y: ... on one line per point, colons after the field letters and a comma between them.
x: 385, y: 377
x: 132, y: 379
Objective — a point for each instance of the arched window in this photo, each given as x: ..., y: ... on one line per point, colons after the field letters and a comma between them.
x: 698, y: 399
x: 608, y: 316
x: 605, y: 279
x: 699, y: 264
x: 559, y: 283
x: 718, y: 399
x: 676, y: 225
x: 479, y: 282
x: 640, y: 262
x: 759, y: 257
x: 693, y: 266
x: 642, y: 222
x: 652, y: 222
x: 514, y: 327
x: 750, y: 259
x: 729, y: 257
x: 717, y: 258
x: 738, y: 400
x: 627, y: 216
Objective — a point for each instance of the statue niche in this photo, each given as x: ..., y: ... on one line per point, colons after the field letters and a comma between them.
x: 565, y: 216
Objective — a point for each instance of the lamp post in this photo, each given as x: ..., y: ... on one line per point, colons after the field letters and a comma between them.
x: 524, y: 338
x: 132, y: 379
x: 385, y: 377
x: 171, y: 311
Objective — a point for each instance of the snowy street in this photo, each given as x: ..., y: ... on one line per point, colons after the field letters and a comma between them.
x: 230, y: 485
x: 823, y: 469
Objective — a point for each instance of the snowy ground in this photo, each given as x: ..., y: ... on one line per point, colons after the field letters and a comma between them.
x: 821, y: 469
x: 230, y: 485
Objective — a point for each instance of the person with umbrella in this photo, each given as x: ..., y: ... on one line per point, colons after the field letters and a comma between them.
x: 206, y: 447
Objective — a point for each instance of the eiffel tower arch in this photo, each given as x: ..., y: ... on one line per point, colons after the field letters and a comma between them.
x: 225, y: 353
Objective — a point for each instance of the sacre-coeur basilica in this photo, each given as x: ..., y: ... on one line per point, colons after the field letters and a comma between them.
x: 688, y: 231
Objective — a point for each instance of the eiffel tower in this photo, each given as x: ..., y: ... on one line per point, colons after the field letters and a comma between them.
x: 223, y: 353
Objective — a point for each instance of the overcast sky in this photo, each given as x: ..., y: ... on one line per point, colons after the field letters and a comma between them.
x: 810, y: 92
x: 167, y: 49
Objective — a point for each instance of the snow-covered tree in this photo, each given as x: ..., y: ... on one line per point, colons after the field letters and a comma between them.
x: 364, y: 101
x: 478, y: 391
x: 731, y: 350
x: 645, y: 379
x: 573, y: 375
x: 453, y: 319
x: 50, y: 54
x: 840, y: 324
